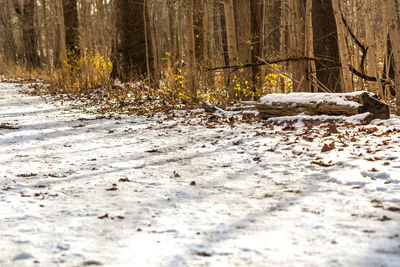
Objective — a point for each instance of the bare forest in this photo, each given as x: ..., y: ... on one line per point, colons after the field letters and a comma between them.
x: 183, y: 53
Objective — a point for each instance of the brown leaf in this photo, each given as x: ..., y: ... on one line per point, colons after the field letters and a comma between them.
x: 384, y: 218
x: 258, y: 159
x: 152, y: 150
x: 394, y: 209
x: 114, y: 188
x: 308, y: 139
x: 176, y: 174
x: 297, y: 191
x: 203, y: 254
x: 328, y: 147
x: 193, y: 183
x: 322, y: 164
x: 333, y: 129
x: 104, y: 216
x: 124, y: 180
x: 25, y: 175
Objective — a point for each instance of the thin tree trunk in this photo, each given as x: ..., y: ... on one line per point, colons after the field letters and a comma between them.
x: 394, y: 32
x: 191, y: 48
x: 243, y: 12
x: 346, y: 75
x: 231, y: 32
x: 371, y: 58
x: 29, y: 34
x: 309, y: 48
x: 71, y: 26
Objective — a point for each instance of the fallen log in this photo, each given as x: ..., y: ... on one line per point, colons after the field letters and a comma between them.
x: 346, y: 104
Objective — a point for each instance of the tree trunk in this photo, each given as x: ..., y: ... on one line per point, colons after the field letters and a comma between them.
x: 297, y: 44
x: 394, y: 32
x: 129, y: 59
x: 29, y: 35
x: 231, y: 32
x: 257, y: 36
x: 346, y: 75
x: 243, y: 22
x: 326, y: 44
x: 71, y: 26
x: 191, y: 48
x: 309, y: 48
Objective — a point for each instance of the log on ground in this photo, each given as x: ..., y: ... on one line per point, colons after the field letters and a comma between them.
x: 347, y: 104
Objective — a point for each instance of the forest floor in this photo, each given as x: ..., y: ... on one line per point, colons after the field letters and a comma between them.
x: 191, y: 189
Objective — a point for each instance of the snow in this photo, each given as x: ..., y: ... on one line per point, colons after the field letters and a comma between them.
x: 80, y: 189
x: 311, y: 98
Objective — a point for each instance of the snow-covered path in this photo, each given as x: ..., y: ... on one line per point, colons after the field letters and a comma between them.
x: 76, y: 190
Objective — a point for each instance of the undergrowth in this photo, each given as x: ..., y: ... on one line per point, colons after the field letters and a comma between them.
x: 87, y: 79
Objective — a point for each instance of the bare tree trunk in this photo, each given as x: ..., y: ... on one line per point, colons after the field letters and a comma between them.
x: 257, y: 36
x: 394, y: 32
x: 191, y: 48
x: 154, y: 42
x: 129, y: 59
x: 297, y: 44
x: 9, y: 45
x: 243, y: 13
x: 60, y: 44
x: 326, y: 44
x: 29, y: 35
x: 309, y: 48
x: 371, y: 58
x: 346, y: 75
x: 71, y: 26
x: 231, y: 32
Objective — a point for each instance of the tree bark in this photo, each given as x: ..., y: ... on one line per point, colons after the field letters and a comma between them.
x: 243, y: 23
x: 71, y: 27
x: 129, y: 59
x: 346, y: 75
x: 191, y: 48
x: 326, y: 44
x: 29, y: 35
x: 394, y: 33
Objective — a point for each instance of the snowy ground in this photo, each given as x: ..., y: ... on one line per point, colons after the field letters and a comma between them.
x: 76, y: 190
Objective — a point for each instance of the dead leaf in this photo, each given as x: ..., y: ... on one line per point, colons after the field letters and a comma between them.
x: 152, y: 150
x: 203, y: 254
x: 332, y: 128
x: 124, y: 180
x: 193, y: 183
x: 297, y: 191
x: 258, y: 159
x: 394, y: 209
x: 384, y: 218
x: 322, y: 164
x: 328, y: 147
x: 25, y: 175
x: 176, y: 175
x: 104, y: 216
x: 114, y: 188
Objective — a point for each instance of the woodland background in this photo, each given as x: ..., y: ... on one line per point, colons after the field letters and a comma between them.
x: 186, y: 52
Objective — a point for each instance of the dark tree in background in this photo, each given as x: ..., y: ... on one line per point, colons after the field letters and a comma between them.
x: 129, y: 58
x: 30, y: 35
x: 326, y: 44
x: 71, y: 24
